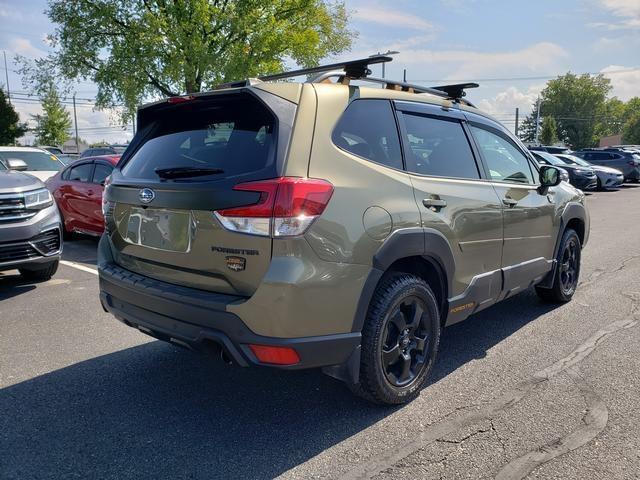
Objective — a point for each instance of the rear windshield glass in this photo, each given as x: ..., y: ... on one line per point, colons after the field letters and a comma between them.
x: 36, y: 161
x: 233, y: 135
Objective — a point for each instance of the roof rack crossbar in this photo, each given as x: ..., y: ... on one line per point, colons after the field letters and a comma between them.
x: 354, y: 69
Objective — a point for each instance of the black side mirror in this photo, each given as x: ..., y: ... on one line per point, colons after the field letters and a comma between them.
x: 549, y: 176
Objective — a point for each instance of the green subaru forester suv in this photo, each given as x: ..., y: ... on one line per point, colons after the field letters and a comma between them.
x: 330, y: 224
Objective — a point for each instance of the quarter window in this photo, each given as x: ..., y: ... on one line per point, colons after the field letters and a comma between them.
x: 368, y: 129
x: 505, y: 161
x: 438, y: 147
x: 81, y: 173
x: 101, y: 172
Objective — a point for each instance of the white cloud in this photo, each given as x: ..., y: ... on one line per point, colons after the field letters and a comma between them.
x: 625, y: 81
x: 466, y: 64
x: 392, y: 18
x: 627, y: 10
x: 505, y: 102
x: 24, y: 47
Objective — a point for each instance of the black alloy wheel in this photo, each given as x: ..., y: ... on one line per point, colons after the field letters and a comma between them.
x: 405, y: 347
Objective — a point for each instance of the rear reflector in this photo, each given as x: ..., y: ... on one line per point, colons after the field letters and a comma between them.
x: 287, y: 206
x: 275, y: 355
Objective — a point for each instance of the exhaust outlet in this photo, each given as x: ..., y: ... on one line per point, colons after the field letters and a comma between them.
x: 225, y: 358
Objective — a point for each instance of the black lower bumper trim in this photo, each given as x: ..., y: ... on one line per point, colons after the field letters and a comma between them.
x: 195, y: 321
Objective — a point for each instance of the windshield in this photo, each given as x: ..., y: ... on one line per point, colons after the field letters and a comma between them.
x: 36, y: 161
x: 548, y: 158
x: 572, y: 159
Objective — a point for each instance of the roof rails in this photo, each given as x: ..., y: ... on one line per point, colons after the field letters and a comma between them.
x: 359, y: 70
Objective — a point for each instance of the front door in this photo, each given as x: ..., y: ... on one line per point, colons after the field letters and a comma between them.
x: 529, y: 231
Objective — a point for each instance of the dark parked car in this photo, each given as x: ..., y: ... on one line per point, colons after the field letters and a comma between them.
x: 624, y: 160
x: 580, y: 177
x: 106, y: 150
x: 607, y: 177
x: 78, y: 192
x: 550, y: 149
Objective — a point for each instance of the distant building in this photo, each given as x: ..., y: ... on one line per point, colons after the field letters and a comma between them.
x: 611, y: 141
x: 70, y: 146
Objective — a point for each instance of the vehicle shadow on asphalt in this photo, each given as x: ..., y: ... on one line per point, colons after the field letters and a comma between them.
x: 156, y: 411
x: 12, y: 285
x: 82, y: 249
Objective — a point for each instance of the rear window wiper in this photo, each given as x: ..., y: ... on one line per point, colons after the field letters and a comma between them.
x: 186, y: 172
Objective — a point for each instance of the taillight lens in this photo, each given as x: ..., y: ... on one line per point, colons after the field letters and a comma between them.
x: 287, y: 207
x: 275, y: 355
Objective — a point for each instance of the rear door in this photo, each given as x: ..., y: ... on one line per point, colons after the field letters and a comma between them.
x: 185, y: 164
x: 77, y: 195
x: 452, y: 195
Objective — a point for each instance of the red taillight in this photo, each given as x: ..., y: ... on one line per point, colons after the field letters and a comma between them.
x: 287, y: 206
x: 275, y: 355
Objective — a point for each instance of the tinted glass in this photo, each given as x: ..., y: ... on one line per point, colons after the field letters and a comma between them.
x: 548, y: 159
x: 81, y: 173
x: 438, y: 147
x: 505, y: 161
x: 101, y: 172
x: 235, y: 135
x: 36, y: 161
x: 368, y: 129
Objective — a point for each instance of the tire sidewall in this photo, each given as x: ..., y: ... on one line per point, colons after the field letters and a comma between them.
x: 566, y: 237
x: 385, y: 302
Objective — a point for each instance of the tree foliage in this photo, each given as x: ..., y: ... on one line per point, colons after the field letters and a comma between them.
x: 631, y: 132
x: 10, y: 126
x: 137, y: 49
x: 578, y: 104
x: 52, y: 127
x: 548, y: 131
x: 527, y: 130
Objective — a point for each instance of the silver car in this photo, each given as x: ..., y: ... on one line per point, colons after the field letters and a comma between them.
x: 607, y: 177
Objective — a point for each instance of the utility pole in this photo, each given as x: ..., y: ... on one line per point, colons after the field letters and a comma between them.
x: 6, y: 73
x: 517, y: 118
x: 75, y: 122
x: 538, y: 119
x: 404, y: 75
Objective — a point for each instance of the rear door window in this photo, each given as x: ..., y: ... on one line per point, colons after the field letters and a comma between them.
x: 81, y: 173
x: 234, y: 136
x: 368, y: 129
x: 438, y: 147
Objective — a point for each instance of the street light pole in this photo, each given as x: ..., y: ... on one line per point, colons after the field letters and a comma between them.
x: 6, y: 72
x: 538, y: 119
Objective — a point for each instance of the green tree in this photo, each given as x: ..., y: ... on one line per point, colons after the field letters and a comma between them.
x: 631, y: 131
x: 578, y: 104
x: 548, y: 131
x: 137, y: 49
x: 527, y: 129
x: 613, y: 118
x: 52, y: 127
x: 10, y: 126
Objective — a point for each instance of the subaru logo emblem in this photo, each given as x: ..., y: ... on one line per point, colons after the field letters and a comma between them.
x: 146, y: 195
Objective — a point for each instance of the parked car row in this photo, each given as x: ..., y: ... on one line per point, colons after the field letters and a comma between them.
x: 611, y: 166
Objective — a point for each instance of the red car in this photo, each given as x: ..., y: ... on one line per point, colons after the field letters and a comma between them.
x: 78, y: 193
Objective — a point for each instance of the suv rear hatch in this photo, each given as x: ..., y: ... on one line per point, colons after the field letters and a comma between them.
x: 181, y: 168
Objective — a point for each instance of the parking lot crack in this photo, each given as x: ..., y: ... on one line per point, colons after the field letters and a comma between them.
x: 595, y: 418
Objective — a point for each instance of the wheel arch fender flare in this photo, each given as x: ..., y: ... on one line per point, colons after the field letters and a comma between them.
x: 407, y: 242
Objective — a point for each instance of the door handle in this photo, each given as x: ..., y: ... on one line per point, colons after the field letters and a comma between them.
x: 509, y: 202
x: 434, y: 203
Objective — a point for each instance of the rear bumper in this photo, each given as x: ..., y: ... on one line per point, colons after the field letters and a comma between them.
x: 199, y: 319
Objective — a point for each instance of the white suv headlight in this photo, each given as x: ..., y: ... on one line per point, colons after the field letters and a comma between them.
x: 38, y: 199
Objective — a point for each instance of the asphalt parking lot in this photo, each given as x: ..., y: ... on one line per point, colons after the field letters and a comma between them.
x: 521, y: 390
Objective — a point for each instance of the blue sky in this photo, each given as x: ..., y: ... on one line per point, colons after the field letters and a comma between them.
x: 510, y: 47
